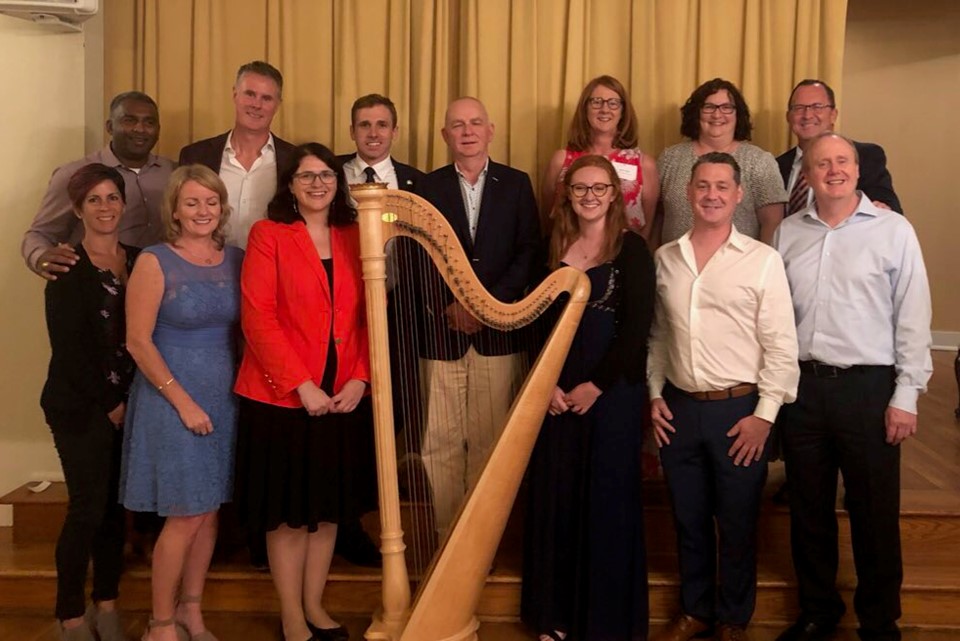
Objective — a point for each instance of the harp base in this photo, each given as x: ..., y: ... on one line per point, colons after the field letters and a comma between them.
x: 381, y: 630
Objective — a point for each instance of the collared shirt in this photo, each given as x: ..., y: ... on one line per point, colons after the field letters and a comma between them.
x: 385, y: 172
x: 795, y: 175
x: 731, y: 323
x: 140, y: 225
x: 250, y: 191
x: 860, y: 293
x: 472, y: 195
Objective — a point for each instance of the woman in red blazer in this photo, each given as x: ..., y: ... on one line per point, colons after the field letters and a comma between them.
x: 305, y: 416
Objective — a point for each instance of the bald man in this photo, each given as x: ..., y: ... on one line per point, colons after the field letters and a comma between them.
x: 470, y: 372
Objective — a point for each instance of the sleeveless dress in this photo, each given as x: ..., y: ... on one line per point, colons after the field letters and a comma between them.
x: 584, y: 559
x: 166, y: 468
x: 627, y: 160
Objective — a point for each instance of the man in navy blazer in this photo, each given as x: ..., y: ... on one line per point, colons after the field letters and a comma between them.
x: 373, y: 128
x: 249, y: 158
x: 470, y: 372
x: 811, y: 111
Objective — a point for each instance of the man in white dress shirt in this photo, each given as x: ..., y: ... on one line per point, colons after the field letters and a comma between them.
x: 723, y: 359
x: 374, y: 128
x: 249, y: 157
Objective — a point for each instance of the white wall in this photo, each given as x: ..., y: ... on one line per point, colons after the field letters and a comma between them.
x: 45, y: 113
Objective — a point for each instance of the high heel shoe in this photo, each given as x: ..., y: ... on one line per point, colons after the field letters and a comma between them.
x: 205, y: 635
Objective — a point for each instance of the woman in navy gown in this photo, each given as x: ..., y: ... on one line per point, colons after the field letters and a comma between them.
x: 585, y: 574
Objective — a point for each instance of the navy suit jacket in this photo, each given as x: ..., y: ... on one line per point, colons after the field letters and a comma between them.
x: 209, y: 152
x: 407, y: 175
x: 875, y: 180
x: 502, y: 254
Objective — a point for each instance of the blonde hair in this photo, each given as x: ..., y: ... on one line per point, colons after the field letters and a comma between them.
x: 205, y: 177
x: 566, y: 227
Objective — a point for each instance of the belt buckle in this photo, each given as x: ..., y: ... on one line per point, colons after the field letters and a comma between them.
x: 822, y: 370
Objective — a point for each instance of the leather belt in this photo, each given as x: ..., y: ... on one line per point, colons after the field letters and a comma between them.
x: 721, y: 395
x: 824, y: 370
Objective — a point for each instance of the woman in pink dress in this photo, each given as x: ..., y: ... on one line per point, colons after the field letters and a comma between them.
x: 605, y: 124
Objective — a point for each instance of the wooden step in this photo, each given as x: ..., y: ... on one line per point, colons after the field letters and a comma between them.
x: 37, y: 516
x: 28, y: 584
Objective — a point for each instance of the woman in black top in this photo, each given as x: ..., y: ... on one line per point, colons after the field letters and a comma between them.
x: 585, y: 573
x: 84, y: 400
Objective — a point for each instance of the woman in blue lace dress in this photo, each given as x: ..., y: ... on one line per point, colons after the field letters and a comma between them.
x: 584, y: 562
x: 182, y: 313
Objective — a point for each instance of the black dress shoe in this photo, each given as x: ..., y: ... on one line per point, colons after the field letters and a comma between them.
x: 338, y: 633
x: 808, y: 631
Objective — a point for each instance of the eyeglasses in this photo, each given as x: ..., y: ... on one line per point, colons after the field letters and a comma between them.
x: 815, y: 108
x: 599, y: 189
x: 613, y: 104
x: 327, y: 177
x: 726, y: 108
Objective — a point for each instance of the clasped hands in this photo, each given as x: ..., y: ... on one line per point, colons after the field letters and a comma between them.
x: 318, y: 403
x: 460, y: 320
x: 579, y: 400
x: 749, y: 433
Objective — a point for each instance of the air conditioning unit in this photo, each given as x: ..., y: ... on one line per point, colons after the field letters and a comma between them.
x: 63, y: 14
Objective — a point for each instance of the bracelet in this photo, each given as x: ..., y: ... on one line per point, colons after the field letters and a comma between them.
x: 160, y: 387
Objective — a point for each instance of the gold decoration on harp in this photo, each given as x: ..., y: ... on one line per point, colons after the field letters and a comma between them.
x: 449, y: 590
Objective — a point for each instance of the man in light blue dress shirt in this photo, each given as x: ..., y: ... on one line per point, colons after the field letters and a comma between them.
x: 862, y: 306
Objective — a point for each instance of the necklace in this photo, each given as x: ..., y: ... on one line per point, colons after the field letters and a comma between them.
x: 207, y: 260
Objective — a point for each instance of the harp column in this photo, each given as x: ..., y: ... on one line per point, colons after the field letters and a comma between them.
x: 388, y: 623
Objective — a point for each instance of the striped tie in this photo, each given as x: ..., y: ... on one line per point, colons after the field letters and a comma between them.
x: 798, y: 197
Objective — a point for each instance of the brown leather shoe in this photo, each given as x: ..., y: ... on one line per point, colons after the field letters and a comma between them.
x: 682, y: 628
x: 728, y: 632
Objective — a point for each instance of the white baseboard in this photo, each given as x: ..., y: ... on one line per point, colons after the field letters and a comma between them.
x: 949, y: 341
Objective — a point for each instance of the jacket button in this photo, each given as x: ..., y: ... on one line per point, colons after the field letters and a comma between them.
x: 337, y: 341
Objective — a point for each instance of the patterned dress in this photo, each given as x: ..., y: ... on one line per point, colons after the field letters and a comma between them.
x: 167, y: 468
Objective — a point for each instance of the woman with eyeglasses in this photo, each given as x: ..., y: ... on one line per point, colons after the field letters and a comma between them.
x: 305, y: 414
x: 585, y: 573
x: 716, y: 118
x: 605, y: 124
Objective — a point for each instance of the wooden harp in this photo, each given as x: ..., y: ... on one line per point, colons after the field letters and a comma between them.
x: 448, y: 594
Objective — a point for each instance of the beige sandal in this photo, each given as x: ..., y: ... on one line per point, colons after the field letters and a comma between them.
x: 205, y: 635
x: 182, y: 634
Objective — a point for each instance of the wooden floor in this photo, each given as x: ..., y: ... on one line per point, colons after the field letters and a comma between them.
x: 930, y: 527
x: 234, y: 627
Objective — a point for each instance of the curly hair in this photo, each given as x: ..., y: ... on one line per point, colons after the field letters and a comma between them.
x: 579, y: 136
x: 690, y: 111
x: 283, y: 207
x: 566, y: 227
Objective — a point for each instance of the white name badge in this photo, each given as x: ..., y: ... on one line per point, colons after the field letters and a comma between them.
x: 625, y: 171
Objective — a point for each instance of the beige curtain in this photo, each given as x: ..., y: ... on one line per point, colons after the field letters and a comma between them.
x: 526, y: 59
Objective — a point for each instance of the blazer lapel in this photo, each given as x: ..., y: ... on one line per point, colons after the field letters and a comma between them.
x: 309, y: 255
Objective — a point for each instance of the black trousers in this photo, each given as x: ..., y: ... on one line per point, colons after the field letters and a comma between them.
x: 837, y: 424
x: 89, y: 452
x: 715, y: 504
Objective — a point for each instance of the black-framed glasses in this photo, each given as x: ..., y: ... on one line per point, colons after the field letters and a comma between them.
x: 306, y: 178
x: 613, y: 104
x: 580, y: 189
x: 816, y: 108
x: 726, y: 108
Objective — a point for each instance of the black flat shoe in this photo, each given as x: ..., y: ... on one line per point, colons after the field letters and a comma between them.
x: 338, y: 633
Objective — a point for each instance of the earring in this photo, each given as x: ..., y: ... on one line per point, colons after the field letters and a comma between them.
x: 296, y: 208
